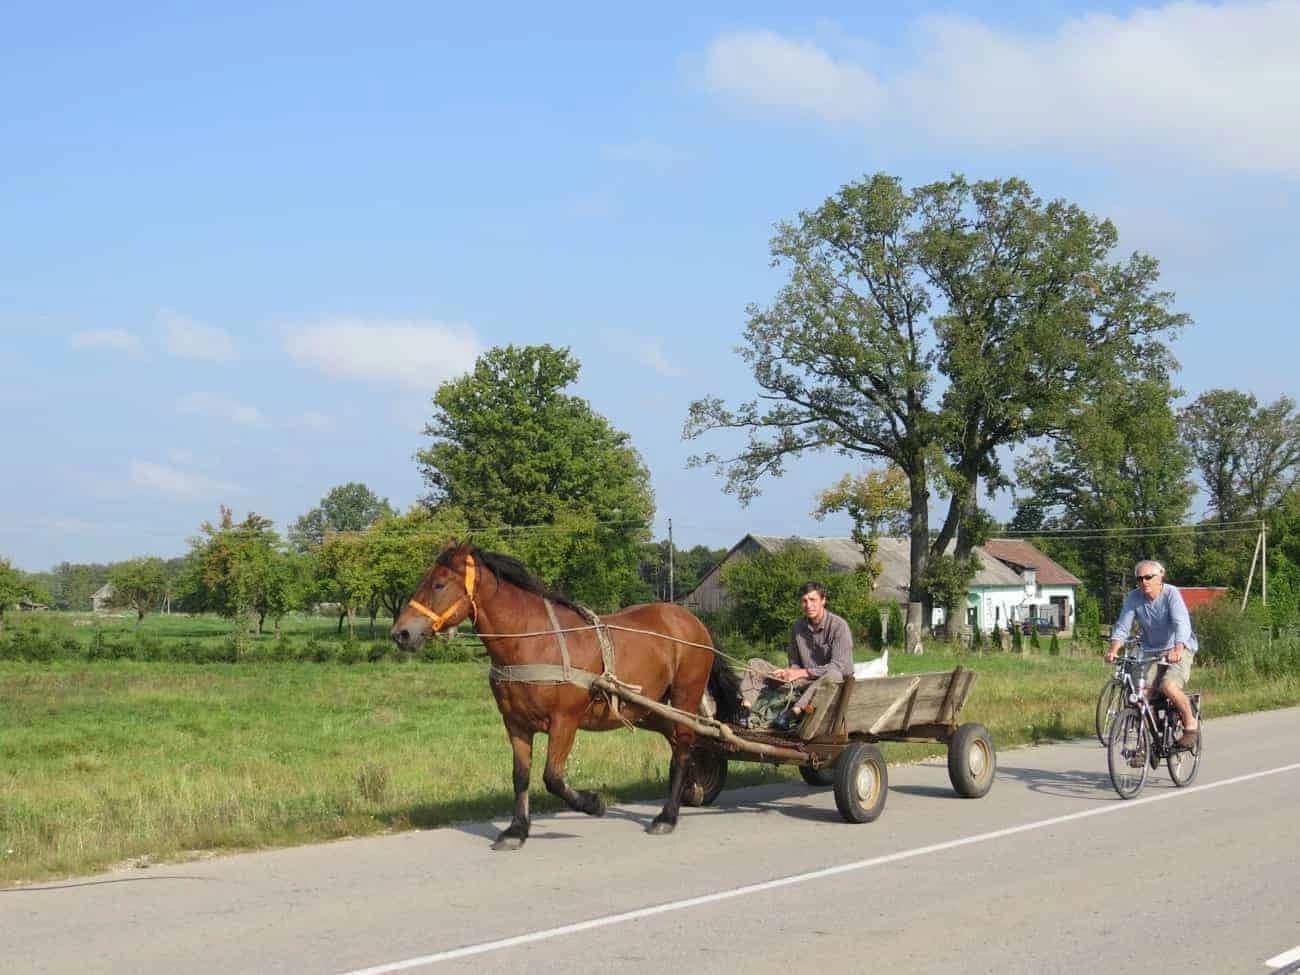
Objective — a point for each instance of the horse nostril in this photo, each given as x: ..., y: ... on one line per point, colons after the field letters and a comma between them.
x: 403, y: 636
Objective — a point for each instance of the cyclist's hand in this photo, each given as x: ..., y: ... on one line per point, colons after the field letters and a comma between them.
x: 1175, y: 654
x: 1110, y: 656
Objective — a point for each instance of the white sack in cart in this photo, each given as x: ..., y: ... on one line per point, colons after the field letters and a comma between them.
x: 872, y: 668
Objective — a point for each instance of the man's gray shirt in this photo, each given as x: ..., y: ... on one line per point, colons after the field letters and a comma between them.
x: 1164, y: 620
x: 822, y: 649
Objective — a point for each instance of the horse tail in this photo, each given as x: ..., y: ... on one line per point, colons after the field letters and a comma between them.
x: 724, y: 685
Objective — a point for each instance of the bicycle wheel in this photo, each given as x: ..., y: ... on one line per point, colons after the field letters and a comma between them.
x: 1109, y: 703
x: 1184, y: 763
x: 1127, y: 753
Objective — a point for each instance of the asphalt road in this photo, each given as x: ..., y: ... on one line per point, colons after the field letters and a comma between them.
x: 1051, y: 872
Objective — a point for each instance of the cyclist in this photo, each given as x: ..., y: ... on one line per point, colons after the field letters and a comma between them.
x: 1166, y: 625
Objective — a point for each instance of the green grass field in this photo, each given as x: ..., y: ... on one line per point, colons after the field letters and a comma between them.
x: 111, y: 761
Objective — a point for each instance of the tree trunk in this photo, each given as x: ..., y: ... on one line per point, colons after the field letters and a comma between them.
x: 912, y: 628
x: 352, y: 613
x: 343, y: 614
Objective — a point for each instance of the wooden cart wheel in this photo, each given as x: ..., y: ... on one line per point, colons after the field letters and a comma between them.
x: 971, y: 761
x: 705, y: 777
x: 861, y: 782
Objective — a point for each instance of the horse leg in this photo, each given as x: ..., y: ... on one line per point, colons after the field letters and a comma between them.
x: 562, y: 735
x: 512, y: 838
x: 682, y: 740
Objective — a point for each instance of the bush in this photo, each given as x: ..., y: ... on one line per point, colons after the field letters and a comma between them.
x: 977, y: 639
x: 1054, y: 646
x: 875, y: 630
x: 894, y: 631
x: 1034, y: 642
x: 1017, y: 644
x: 995, y: 638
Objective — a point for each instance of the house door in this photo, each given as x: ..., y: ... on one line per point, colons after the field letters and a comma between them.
x: 1059, y: 604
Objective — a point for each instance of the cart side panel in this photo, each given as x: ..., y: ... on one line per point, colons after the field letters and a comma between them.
x: 892, y: 705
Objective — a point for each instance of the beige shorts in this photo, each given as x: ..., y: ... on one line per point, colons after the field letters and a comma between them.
x: 1175, y: 674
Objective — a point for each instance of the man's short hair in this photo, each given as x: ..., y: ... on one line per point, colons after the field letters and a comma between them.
x: 808, y: 587
x: 1137, y: 569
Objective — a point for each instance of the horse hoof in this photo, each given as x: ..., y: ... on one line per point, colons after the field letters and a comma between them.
x: 508, y: 842
x: 661, y: 827
x: 596, y: 805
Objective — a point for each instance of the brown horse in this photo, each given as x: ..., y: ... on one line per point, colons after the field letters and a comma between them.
x: 545, y: 650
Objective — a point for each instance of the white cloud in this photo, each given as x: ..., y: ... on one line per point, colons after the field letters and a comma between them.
x: 1216, y: 84
x: 194, y: 340
x: 178, y: 483
x: 221, y: 407
x: 114, y: 339
x: 417, y: 354
x: 646, y: 152
x: 650, y: 352
x: 765, y: 68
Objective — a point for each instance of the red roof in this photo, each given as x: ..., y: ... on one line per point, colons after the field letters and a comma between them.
x: 1021, y: 554
x: 1195, y: 596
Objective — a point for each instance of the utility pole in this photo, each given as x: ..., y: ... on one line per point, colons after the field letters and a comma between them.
x: 670, y: 561
x: 1263, y: 561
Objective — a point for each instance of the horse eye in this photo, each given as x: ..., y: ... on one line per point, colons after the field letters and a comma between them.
x: 439, y: 585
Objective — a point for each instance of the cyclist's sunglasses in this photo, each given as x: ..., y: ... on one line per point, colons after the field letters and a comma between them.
x: 1149, y: 576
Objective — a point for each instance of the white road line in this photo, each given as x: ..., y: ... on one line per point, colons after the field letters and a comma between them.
x: 1286, y: 958
x: 800, y: 878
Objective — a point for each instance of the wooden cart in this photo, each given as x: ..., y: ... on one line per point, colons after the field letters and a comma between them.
x: 836, y: 743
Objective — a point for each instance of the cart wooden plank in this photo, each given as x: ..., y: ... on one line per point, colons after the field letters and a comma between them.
x: 886, y: 706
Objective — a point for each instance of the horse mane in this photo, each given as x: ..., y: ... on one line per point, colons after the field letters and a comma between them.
x: 509, y: 569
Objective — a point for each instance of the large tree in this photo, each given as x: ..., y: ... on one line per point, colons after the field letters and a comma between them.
x: 350, y: 507
x: 517, y: 454
x: 931, y: 329
x: 1248, y: 455
x: 1109, y: 486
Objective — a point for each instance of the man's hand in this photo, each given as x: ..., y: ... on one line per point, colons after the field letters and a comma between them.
x: 1175, y: 654
x: 790, y: 673
x: 1112, y: 653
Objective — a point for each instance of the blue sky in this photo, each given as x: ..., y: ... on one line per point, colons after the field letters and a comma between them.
x: 243, y: 246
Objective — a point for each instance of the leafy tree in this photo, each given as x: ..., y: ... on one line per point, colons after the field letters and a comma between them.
x: 74, y: 583
x: 1117, y: 468
x: 931, y: 329
x: 138, y: 584
x: 514, y: 452
x: 350, y: 507
x: 877, y: 503
x: 689, y: 567
x: 764, y: 588
x: 12, y: 588
x: 1247, y: 455
x: 241, y: 570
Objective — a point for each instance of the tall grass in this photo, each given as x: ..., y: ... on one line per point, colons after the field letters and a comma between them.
x: 105, y: 761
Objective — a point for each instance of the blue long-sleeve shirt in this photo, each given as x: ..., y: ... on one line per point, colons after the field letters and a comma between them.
x: 1164, y: 620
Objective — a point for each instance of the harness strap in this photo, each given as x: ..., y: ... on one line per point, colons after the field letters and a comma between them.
x: 566, y: 664
x: 540, y: 674
x: 565, y: 672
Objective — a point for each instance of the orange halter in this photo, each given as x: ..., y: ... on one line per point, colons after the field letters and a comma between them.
x: 440, y: 619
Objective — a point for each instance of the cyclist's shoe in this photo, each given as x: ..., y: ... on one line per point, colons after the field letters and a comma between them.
x: 1135, y: 760
x: 1188, y: 739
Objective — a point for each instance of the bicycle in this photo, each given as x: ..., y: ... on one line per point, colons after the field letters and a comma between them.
x: 1110, y: 701
x: 1144, y: 732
